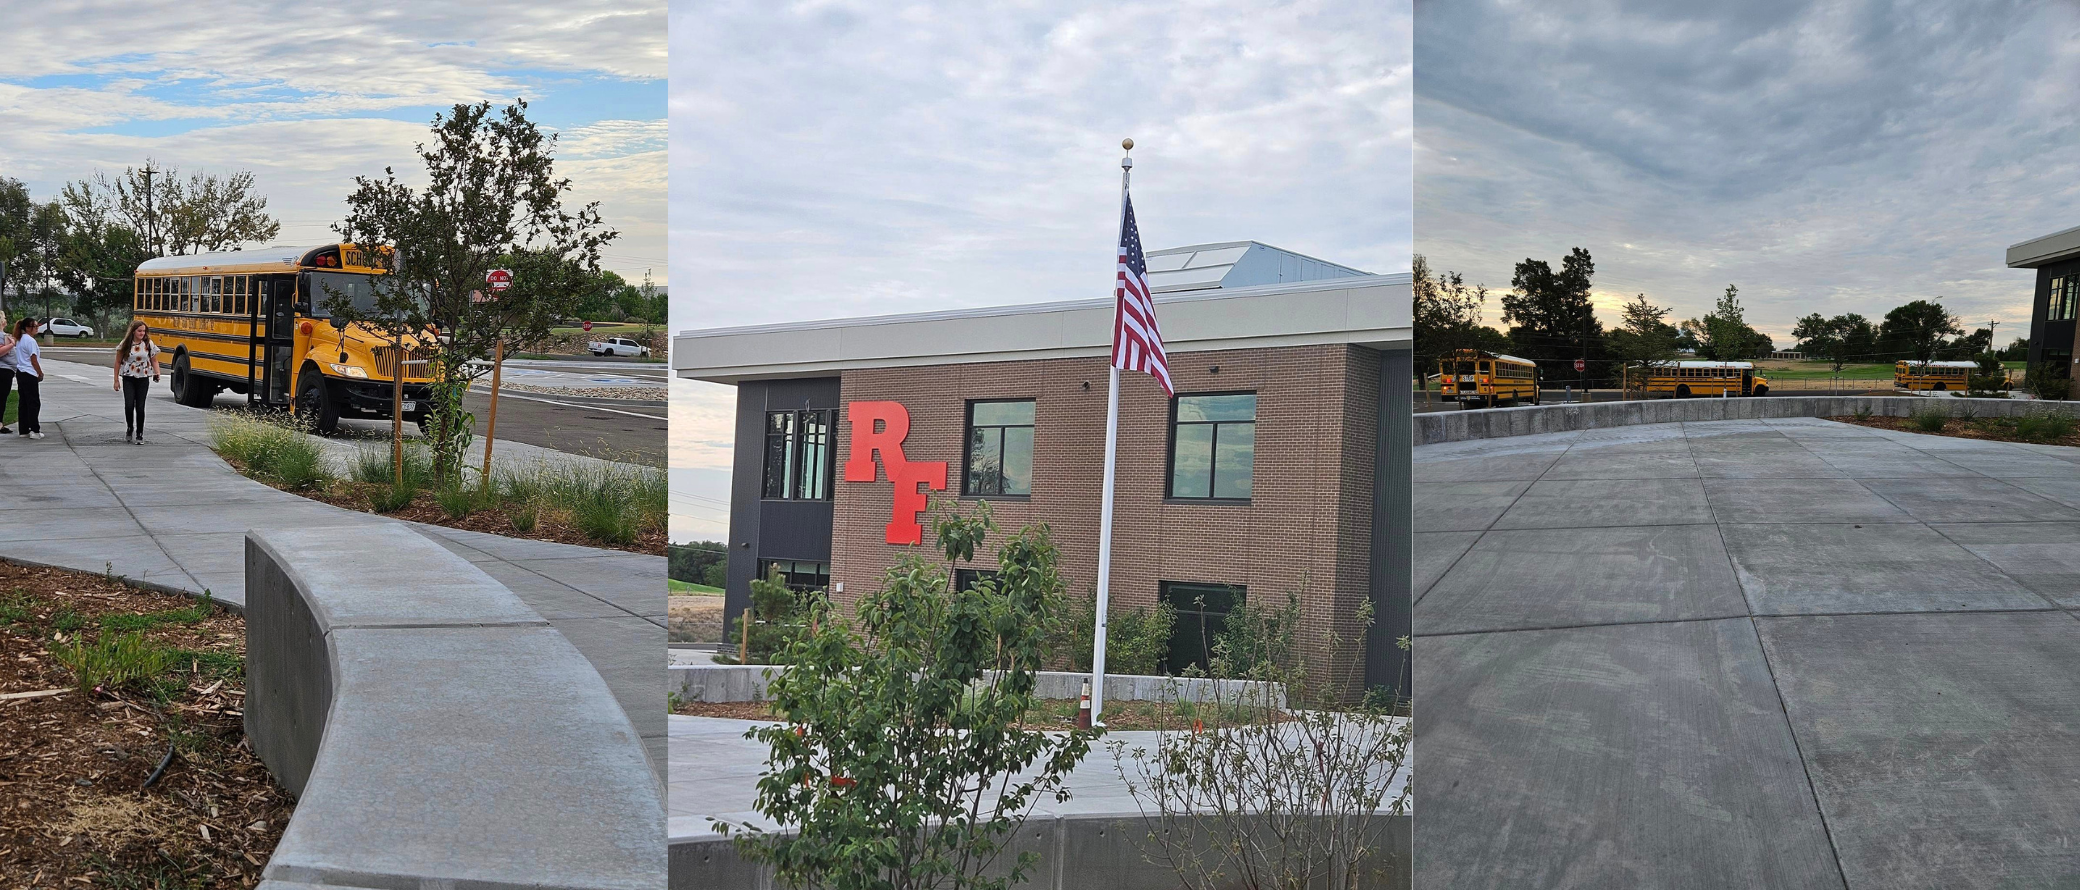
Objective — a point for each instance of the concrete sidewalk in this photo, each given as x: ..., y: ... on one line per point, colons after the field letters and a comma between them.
x: 1773, y: 653
x: 174, y: 515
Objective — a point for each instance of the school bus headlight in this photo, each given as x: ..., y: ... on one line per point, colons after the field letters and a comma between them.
x: 349, y: 370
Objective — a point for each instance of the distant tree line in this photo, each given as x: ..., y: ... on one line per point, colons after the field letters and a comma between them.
x: 699, y: 562
x: 1551, y: 321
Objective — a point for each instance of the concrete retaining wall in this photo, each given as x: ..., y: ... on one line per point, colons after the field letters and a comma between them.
x: 1438, y: 427
x: 436, y: 731
x: 1108, y: 850
x: 736, y: 683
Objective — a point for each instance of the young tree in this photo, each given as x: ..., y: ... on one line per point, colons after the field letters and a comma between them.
x: 205, y: 213
x: 1549, y: 313
x: 492, y: 201
x: 1447, y: 316
x: 1918, y: 329
x: 1645, y: 338
x: 903, y: 759
x: 1724, y: 334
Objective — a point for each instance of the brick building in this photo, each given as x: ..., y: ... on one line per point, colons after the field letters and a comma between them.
x: 1282, y: 465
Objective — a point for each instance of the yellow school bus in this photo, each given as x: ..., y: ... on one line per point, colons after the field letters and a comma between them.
x: 1933, y: 375
x: 1683, y: 380
x: 1478, y: 379
x: 254, y: 322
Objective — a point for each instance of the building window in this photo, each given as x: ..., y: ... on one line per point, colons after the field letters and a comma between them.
x: 2065, y: 299
x: 797, y: 574
x: 1213, y: 444
x: 1202, y: 613
x: 1000, y: 449
x: 966, y: 578
x: 798, y: 455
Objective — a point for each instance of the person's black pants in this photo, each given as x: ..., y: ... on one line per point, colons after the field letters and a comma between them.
x: 134, y: 391
x: 6, y: 383
x: 29, y: 404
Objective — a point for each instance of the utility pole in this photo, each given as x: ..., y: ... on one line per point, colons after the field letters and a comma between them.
x: 151, y: 220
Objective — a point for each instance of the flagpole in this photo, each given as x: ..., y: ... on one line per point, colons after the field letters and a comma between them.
x: 1126, y: 169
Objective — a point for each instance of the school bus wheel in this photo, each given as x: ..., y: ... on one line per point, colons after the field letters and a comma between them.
x: 1762, y: 390
x: 188, y: 389
x: 1682, y: 390
x: 316, y: 402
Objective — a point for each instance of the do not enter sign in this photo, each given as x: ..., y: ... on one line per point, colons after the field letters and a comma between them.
x: 499, y: 279
x: 1581, y: 365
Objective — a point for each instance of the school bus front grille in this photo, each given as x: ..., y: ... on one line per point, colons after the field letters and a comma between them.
x: 386, y: 361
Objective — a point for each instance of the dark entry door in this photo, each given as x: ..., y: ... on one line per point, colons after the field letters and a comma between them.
x: 273, y: 337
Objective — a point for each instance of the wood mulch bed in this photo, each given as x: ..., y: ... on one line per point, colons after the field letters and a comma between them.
x: 1048, y: 714
x: 79, y: 799
x: 1991, y: 429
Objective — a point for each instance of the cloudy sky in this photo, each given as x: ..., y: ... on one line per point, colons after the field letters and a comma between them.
x: 306, y: 99
x: 834, y: 159
x: 1834, y: 157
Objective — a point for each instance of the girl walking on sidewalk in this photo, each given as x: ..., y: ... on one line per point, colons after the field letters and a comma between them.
x: 26, y: 357
x: 137, y: 365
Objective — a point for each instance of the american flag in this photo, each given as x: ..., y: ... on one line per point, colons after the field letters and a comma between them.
x: 1137, y: 344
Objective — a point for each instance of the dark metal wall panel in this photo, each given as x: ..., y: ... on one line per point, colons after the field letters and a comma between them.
x: 759, y: 528
x: 1393, y: 526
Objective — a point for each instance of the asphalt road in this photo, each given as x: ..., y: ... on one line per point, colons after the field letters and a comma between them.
x: 617, y: 429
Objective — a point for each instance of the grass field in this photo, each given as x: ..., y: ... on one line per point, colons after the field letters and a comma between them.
x: 688, y: 587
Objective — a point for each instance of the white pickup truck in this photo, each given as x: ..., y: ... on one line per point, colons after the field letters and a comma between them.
x: 617, y: 346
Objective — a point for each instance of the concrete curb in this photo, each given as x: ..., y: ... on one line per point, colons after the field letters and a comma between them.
x: 1439, y: 427
x: 436, y: 731
x: 719, y: 683
x: 1076, y: 851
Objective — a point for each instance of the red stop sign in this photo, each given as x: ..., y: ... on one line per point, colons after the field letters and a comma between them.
x: 588, y: 326
x: 499, y: 279
x: 1581, y: 365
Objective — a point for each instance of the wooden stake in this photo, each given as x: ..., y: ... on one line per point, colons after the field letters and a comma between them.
x: 397, y: 414
x: 744, y: 645
x: 498, y: 360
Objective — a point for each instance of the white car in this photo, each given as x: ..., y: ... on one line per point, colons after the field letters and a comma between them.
x: 617, y: 346
x: 65, y: 327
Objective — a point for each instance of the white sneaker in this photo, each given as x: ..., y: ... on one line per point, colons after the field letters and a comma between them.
x: 139, y: 440
x: 36, y: 435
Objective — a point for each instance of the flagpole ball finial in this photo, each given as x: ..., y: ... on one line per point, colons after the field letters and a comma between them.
x: 1127, y: 144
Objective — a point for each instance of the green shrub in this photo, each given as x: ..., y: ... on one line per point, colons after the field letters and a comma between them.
x: 2044, y: 426
x: 524, y: 517
x: 604, y: 516
x: 1863, y: 412
x: 1928, y: 420
x: 1136, y: 640
x: 16, y: 608
x: 606, y: 502
x: 116, y: 662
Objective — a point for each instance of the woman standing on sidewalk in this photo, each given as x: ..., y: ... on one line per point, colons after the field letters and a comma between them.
x: 28, y: 375
x: 6, y: 370
x: 137, y: 365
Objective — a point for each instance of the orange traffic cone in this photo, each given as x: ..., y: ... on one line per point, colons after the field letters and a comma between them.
x: 1083, y: 710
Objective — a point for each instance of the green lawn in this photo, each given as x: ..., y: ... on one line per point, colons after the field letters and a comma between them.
x: 688, y: 587
x: 7, y: 415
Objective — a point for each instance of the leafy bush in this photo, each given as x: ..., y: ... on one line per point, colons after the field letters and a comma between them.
x: 901, y: 760
x: 1135, y: 639
x: 780, y: 616
x: 1929, y: 420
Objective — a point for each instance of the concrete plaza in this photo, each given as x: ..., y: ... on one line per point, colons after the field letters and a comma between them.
x: 174, y: 515
x: 1764, y: 653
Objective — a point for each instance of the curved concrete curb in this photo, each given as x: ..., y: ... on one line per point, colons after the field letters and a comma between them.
x: 1076, y: 851
x: 436, y: 731
x: 1439, y: 427
x: 718, y: 683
